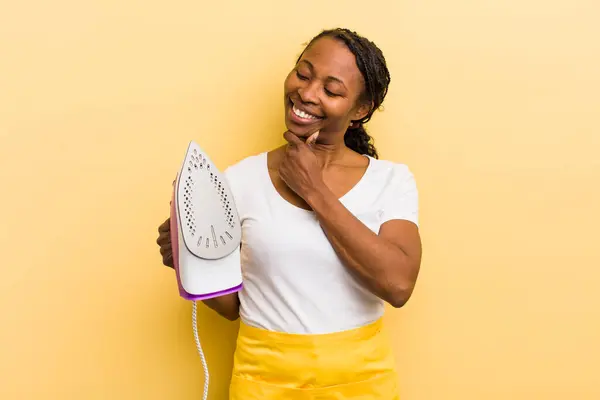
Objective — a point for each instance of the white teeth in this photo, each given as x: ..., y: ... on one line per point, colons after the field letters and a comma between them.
x: 302, y: 114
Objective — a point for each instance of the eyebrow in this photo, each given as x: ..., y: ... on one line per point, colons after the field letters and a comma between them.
x: 332, y: 78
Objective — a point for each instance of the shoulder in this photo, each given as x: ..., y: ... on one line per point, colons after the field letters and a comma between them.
x: 397, y: 190
x: 245, y: 168
x: 393, y: 175
x: 243, y: 175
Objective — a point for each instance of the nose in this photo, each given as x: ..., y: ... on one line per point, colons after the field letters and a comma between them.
x: 308, y: 92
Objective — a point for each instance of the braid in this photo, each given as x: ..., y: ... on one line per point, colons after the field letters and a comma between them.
x: 372, y: 65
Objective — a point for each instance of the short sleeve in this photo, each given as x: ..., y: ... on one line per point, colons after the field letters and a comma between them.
x: 401, y: 200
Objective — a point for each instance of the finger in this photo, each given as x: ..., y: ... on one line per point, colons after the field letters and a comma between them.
x: 165, y: 226
x: 163, y: 240
x: 312, y: 139
x: 166, y: 250
x: 168, y: 261
x: 292, y: 139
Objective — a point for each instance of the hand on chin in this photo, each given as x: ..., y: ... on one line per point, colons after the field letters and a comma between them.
x: 303, y: 133
x: 299, y: 167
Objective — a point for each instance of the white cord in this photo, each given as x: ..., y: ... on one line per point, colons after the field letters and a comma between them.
x: 199, y: 347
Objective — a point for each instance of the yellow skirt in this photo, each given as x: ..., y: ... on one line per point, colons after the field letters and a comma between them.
x: 357, y: 364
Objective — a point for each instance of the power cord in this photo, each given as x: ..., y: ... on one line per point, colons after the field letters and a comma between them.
x: 200, y: 352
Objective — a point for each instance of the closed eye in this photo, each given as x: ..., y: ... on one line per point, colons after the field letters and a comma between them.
x: 329, y: 93
x: 305, y: 78
x: 301, y: 77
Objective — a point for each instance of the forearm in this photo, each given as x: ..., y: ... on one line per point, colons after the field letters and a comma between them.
x: 227, y: 306
x: 381, y: 266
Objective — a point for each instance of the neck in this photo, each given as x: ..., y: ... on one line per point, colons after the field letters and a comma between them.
x: 329, y: 153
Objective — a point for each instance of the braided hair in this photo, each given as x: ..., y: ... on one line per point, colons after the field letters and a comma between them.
x: 372, y: 65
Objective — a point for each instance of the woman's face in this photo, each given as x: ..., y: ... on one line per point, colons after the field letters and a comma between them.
x: 322, y: 91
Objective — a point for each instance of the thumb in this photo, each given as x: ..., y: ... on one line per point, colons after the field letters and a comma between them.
x: 312, y: 138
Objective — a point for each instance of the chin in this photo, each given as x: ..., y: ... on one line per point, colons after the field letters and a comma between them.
x: 298, y: 131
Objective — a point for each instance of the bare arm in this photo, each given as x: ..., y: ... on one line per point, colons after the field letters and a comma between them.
x: 388, y: 263
x: 227, y: 306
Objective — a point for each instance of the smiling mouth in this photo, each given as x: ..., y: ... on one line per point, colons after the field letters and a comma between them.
x: 303, y: 114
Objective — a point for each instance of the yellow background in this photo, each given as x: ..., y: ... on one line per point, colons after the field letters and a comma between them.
x: 494, y: 105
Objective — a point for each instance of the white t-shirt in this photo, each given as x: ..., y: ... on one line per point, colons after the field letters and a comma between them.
x: 294, y: 281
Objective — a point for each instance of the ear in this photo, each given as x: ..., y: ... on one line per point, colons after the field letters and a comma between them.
x: 362, y: 111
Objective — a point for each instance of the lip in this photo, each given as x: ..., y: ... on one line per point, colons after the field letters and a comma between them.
x: 299, y: 120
